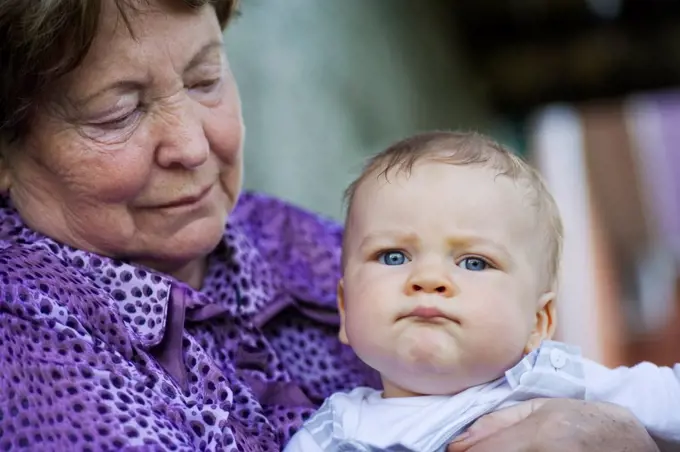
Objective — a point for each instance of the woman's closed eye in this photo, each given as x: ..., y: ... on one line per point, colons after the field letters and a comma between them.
x: 206, y: 86
x: 393, y: 257
x: 208, y: 91
x: 475, y: 264
x: 119, y: 122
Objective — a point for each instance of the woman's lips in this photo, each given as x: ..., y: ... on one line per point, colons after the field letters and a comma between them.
x: 187, y: 200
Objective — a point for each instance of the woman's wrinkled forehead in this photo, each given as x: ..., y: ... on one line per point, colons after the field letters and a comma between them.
x: 142, y: 43
x: 138, y: 19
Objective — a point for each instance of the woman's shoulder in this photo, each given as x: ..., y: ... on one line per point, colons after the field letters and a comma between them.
x: 37, y: 285
x: 301, y: 246
x: 266, y: 214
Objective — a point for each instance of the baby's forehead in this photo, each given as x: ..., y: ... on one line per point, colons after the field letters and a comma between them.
x: 531, y: 210
x: 445, y: 179
x: 466, y: 196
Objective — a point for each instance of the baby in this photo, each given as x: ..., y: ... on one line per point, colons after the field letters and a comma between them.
x: 450, y: 263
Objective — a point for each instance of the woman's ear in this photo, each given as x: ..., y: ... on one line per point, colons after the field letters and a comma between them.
x: 546, y: 321
x: 342, y: 335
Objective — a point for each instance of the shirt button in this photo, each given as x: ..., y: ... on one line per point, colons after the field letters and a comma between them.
x: 558, y: 358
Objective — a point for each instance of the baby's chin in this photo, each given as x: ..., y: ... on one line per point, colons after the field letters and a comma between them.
x: 436, y: 372
x: 435, y: 352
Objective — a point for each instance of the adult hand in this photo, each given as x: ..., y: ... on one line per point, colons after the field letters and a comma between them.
x: 556, y: 425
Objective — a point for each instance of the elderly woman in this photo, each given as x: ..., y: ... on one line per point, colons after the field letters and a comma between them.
x: 129, y: 314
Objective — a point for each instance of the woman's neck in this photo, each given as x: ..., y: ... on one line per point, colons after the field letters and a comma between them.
x: 192, y: 273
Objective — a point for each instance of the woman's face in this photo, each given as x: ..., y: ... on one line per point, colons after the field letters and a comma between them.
x: 138, y: 152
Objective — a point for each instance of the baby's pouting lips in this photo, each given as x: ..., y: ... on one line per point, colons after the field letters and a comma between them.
x: 428, y: 314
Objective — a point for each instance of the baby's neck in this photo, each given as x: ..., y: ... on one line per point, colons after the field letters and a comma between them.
x: 391, y: 390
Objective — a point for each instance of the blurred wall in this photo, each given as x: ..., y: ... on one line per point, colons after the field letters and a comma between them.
x: 326, y: 83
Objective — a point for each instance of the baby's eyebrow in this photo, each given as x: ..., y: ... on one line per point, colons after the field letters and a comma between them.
x: 471, y: 239
x: 461, y: 241
x: 398, y: 236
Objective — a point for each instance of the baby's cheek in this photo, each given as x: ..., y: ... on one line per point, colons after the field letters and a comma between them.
x: 368, y: 322
x: 494, y: 310
x: 503, y: 325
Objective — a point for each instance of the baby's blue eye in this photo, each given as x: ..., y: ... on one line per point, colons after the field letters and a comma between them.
x: 474, y: 264
x: 392, y: 258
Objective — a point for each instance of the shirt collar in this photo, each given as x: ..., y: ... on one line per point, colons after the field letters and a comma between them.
x: 235, y: 285
x: 141, y: 296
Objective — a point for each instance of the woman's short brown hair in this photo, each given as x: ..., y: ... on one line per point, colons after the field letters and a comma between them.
x: 42, y: 40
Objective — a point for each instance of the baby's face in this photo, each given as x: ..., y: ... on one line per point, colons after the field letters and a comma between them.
x: 442, y: 285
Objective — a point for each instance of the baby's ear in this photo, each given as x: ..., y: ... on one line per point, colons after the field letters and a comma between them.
x: 546, y: 321
x: 342, y: 335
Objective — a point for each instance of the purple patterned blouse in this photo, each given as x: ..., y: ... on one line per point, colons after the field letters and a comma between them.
x: 98, y: 354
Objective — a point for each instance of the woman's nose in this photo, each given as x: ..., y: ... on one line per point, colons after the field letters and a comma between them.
x: 182, y: 141
x: 430, y: 281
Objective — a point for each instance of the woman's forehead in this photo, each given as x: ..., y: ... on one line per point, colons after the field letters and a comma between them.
x: 145, y: 41
x: 143, y: 23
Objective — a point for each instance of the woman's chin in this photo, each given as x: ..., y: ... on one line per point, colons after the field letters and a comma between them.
x: 195, y: 241
x: 192, y: 242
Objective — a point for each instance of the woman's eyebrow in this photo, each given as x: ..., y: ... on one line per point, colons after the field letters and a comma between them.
x: 203, y: 52
x: 118, y: 85
x: 131, y: 85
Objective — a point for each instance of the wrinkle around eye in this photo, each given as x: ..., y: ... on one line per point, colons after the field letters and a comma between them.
x: 120, y: 122
x: 209, y: 84
x: 209, y: 92
x: 108, y: 134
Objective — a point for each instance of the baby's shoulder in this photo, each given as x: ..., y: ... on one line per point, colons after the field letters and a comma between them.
x: 340, y: 404
x: 354, y: 397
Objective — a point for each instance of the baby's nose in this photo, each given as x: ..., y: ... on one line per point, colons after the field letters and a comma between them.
x: 431, y: 284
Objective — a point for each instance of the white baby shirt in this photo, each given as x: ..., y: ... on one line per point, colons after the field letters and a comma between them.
x: 362, y: 420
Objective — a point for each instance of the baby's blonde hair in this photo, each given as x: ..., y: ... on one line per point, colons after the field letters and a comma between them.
x: 469, y: 148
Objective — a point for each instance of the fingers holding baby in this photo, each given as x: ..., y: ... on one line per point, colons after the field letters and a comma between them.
x: 556, y: 425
